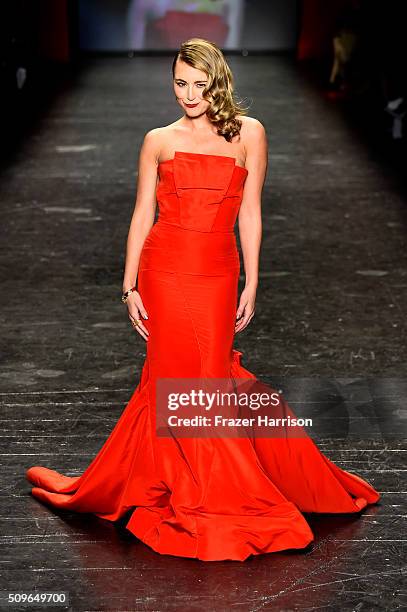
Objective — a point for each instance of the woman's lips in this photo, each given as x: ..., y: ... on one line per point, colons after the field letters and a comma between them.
x: 191, y: 105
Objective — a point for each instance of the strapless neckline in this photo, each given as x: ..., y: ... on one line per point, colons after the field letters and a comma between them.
x: 186, y: 153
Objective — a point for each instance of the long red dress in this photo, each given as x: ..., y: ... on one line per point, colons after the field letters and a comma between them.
x: 213, y: 498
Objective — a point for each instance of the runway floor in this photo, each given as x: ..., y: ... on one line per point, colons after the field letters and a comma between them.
x: 329, y: 330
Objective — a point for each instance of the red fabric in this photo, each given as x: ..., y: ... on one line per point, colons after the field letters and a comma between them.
x: 212, y: 498
x: 318, y: 21
x: 177, y: 26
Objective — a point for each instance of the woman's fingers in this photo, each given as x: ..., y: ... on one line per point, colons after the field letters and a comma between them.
x: 248, y: 313
x: 138, y: 325
x: 136, y: 310
x: 141, y: 308
x: 243, y: 323
x: 139, y: 304
x: 240, y: 311
x: 137, y: 322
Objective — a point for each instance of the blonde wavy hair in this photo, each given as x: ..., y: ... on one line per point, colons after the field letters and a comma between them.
x: 224, y: 108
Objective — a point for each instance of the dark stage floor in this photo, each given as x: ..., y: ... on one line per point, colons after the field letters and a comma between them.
x: 329, y: 330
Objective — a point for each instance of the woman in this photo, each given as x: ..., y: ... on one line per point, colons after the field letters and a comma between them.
x: 209, y: 498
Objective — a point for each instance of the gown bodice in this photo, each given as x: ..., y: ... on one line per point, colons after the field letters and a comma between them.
x: 200, y: 192
x: 199, y: 197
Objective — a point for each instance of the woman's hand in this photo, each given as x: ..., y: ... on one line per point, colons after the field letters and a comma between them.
x: 136, y: 309
x: 245, y: 312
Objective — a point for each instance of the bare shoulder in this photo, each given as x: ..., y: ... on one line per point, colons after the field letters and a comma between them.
x: 159, y: 133
x: 158, y: 139
x: 254, y: 140
x: 251, y: 123
x: 152, y: 139
x: 252, y: 129
x: 152, y: 144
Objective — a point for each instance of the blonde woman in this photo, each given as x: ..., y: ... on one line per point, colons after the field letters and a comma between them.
x: 212, y: 497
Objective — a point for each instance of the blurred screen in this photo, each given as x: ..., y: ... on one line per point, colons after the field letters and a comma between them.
x: 163, y: 24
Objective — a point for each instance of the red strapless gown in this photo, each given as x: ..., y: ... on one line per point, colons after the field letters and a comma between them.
x: 211, y: 499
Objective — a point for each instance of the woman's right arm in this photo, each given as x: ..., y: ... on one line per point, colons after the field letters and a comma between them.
x: 141, y: 222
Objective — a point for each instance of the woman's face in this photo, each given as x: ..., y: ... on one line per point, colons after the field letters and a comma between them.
x: 189, y: 84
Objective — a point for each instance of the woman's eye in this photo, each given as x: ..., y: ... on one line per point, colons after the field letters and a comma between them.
x: 201, y: 85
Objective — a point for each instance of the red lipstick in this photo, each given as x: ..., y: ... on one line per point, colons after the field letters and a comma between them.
x: 191, y: 105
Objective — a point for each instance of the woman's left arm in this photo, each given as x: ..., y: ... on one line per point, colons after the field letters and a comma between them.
x: 249, y: 219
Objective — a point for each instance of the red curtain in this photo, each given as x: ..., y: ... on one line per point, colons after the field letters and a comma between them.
x: 317, y: 27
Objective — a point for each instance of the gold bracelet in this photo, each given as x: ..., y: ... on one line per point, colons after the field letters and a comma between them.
x: 126, y: 294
